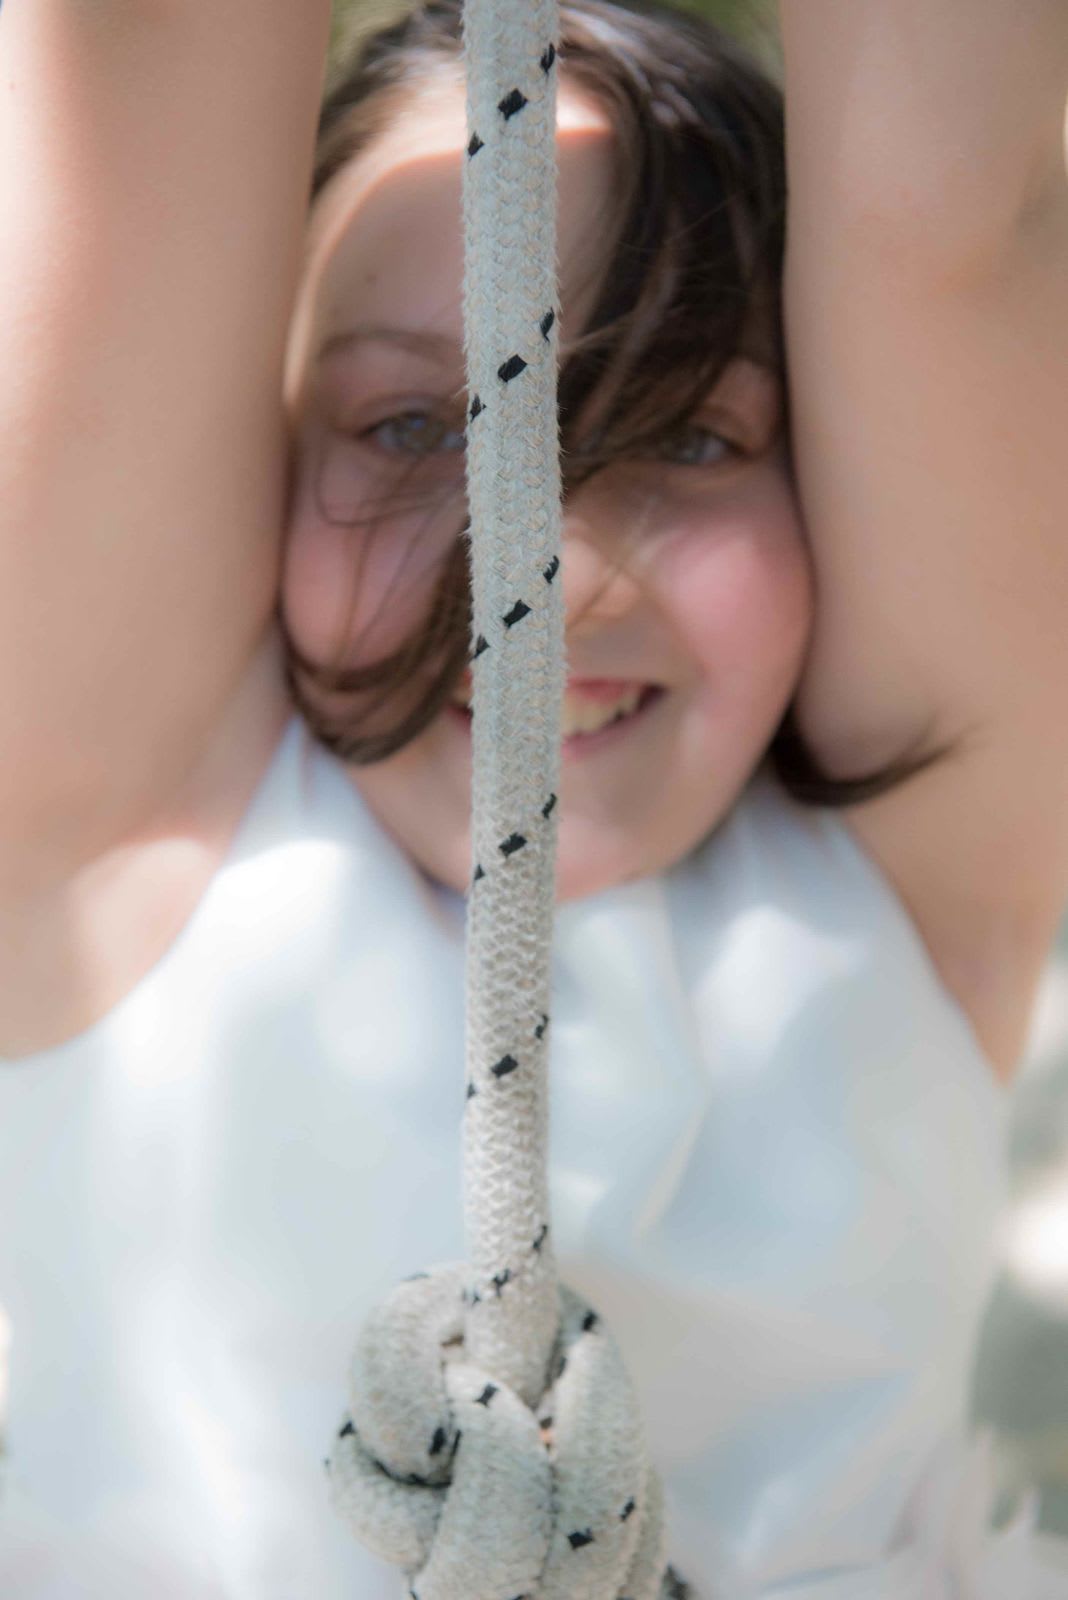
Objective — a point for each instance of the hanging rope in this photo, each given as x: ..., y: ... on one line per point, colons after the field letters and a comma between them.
x: 518, y: 670
x: 493, y: 1449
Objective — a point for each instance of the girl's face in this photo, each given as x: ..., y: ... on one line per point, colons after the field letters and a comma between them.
x: 686, y: 580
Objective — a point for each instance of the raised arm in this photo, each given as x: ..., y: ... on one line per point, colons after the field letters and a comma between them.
x: 154, y: 160
x: 927, y: 308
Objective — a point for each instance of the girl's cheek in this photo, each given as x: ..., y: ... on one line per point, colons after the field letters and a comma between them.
x: 316, y: 587
x: 341, y: 482
x: 739, y: 582
x: 351, y: 592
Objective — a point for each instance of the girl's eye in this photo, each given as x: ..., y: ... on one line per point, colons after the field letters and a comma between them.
x: 415, y: 434
x: 694, y: 446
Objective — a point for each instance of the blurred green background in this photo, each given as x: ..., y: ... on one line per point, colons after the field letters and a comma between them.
x: 752, y: 20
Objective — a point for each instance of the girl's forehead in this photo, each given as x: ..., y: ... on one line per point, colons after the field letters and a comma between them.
x: 385, y: 236
x: 429, y: 123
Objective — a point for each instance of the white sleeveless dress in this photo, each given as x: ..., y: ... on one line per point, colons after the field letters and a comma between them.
x: 777, y: 1164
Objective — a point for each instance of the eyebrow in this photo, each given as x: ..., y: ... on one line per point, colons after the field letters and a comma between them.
x: 436, y: 347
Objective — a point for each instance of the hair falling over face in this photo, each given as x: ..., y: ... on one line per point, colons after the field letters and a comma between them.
x: 688, y: 281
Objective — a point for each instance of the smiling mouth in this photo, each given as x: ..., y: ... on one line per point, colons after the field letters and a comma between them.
x: 591, y: 706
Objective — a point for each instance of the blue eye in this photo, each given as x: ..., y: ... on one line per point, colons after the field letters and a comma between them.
x: 417, y: 434
x: 694, y: 446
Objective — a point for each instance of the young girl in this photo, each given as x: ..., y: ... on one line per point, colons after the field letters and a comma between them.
x: 232, y: 1003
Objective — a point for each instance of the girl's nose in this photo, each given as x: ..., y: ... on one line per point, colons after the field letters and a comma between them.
x: 598, y: 587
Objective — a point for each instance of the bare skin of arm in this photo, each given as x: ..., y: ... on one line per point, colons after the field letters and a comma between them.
x: 927, y: 307
x: 154, y: 168
x: 154, y: 160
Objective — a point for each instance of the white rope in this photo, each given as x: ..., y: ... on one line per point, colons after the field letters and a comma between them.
x: 450, y: 1476
x: 518, y: 669
x: 493, y: 1448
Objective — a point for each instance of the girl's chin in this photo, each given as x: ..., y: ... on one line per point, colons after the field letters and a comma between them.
x: 588, y: 859
x: 580, y: 872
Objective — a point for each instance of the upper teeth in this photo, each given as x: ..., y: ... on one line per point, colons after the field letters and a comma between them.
x: 587, y: 716
x: 580, y: 714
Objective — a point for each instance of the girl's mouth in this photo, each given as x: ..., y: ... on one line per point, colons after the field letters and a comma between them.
x: 592, y: 707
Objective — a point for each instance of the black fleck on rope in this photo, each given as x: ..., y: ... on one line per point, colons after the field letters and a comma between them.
x: 513, y: 102
x: 511, y: 368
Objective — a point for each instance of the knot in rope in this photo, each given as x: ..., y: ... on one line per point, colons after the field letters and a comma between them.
x: 451, y: 1477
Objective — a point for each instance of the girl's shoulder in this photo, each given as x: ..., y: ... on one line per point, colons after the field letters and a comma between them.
x: 987, y: 933
x: 787, y: 913
x: 874, y: 871
x: 283, y: 900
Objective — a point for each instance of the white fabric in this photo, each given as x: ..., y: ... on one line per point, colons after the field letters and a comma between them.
x: 777, y: 1164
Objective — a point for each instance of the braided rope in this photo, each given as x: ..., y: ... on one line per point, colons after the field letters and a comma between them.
x: 518, y: 671
x: 493, y: 1449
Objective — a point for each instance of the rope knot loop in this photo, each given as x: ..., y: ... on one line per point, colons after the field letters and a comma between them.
x: 444, y: 1471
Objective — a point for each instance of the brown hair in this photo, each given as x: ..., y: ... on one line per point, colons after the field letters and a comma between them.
x: 693, y: 281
